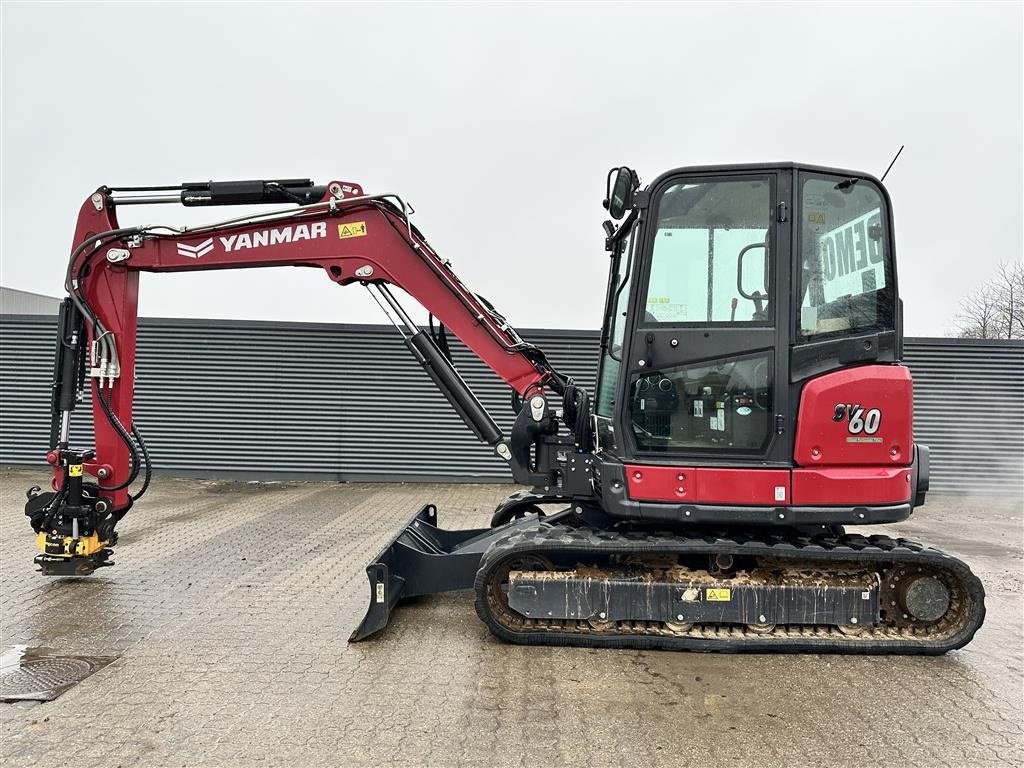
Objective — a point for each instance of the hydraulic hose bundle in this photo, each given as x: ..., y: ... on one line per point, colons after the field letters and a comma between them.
x: 105, y: 366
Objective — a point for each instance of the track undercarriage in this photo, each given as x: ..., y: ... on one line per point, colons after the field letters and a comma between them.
x: 558, y: 581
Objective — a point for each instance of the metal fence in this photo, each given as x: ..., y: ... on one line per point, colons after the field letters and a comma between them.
x: 348, y: 402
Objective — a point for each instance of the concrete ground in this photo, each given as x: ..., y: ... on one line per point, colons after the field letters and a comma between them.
x: 230, y: 605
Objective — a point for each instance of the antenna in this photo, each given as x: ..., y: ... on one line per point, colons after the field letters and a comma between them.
x: 892, y: 163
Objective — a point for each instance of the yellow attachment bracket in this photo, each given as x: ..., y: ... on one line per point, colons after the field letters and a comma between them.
x: 56, y: 545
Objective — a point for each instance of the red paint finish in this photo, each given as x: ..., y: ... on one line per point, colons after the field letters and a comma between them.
x: 709, y: 485
x: 843, y: 486
x: 113, y: 293
x: 828, y: 486
x: 822, y: 440
x: 350, y: 242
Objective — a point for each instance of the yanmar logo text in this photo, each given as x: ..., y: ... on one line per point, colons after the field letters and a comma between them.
x: 264, y: 237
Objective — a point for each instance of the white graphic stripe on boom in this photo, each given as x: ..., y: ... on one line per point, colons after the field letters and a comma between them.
x: 195, y: 251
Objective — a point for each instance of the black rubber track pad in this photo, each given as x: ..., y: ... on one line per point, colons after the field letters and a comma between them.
x: 880, y: 552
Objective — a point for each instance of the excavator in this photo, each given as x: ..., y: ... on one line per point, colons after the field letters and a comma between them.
x: 750, y: 405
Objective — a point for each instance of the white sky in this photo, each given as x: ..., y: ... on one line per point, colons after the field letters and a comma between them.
x: 499, y: 122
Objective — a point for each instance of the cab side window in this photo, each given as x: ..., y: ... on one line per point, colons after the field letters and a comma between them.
x: 846, y: 275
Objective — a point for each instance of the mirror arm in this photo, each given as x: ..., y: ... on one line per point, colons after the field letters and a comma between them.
x: 608, y: 188
x: 614, y: 236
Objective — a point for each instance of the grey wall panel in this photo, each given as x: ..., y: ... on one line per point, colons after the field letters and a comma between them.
x: 349, y: 402
x: 15, y: 302
x: 969, y: 410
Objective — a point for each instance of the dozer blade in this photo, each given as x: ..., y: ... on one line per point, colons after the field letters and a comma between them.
x: 423, y: 559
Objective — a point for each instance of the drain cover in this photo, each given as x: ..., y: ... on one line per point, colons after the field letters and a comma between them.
x: 42, y: 674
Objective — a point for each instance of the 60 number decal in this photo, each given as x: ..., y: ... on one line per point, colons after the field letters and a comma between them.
x: 860, y: 421
x: 865, y: 422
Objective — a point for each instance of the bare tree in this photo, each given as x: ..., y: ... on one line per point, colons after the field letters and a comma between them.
x: 996, y: 309
x: 1010, y: 283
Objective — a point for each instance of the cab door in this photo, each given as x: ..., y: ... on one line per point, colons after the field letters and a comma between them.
x: 706, y: 377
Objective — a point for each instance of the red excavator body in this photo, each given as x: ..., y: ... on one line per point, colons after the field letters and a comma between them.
x: 750, y: 404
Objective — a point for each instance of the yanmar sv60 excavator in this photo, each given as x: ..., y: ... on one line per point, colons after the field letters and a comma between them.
x: 750, y: 404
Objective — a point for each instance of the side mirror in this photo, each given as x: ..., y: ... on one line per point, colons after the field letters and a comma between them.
x: 622, y: 183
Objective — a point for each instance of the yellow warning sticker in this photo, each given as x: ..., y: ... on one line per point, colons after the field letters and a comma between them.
x: 75, y: 470
x: 720, y: 595
x: 816, y: 217
x: 352, y: 229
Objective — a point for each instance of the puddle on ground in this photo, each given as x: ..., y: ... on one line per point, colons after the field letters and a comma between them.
x: 42, y: 674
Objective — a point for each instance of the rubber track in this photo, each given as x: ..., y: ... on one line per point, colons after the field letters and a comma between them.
x: 880, y: 551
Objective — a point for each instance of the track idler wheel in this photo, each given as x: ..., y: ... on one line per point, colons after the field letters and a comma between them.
x: 924, y: 597
x: 915, y: 597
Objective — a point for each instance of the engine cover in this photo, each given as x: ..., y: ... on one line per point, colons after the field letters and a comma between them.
x: 857, y: 416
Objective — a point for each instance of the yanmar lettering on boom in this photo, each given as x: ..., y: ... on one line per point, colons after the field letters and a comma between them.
x: 274, y: 236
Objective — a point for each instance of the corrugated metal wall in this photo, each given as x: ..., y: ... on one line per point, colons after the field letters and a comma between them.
x: 280, y: 399
x: 349, y: 402
x: 969, y: 410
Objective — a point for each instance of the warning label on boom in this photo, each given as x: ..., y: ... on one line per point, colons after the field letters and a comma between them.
x: 352, y: 229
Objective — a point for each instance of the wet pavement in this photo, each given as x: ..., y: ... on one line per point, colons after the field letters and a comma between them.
x: 230, y: 605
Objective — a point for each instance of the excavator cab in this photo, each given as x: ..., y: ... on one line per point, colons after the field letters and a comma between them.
x: 729, y: 288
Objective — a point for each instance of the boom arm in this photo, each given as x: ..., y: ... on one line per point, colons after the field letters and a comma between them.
x: 352, y: 237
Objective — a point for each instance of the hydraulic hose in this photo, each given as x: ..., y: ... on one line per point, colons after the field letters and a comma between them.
x: 145, y: 458
x: 125, y: 438
x: 576, y: 409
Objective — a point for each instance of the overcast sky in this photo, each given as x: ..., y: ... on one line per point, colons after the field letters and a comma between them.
x: 499, y: 122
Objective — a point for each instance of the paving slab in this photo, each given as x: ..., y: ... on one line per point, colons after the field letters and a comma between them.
x: 230, y: 604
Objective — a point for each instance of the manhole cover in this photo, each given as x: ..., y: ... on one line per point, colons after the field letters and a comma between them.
x: 42, y: 674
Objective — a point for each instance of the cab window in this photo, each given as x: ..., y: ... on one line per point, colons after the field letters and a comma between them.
x: 711, y: 257
x: 615, y: 325
x: 846, y: 275
x: 722, y: 405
